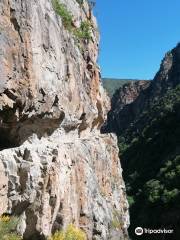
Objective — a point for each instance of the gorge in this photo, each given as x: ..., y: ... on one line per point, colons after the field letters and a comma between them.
x: 145, y: 115
x: 75, y: 164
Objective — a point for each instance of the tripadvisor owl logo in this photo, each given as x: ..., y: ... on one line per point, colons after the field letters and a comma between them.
x: 139, y: 231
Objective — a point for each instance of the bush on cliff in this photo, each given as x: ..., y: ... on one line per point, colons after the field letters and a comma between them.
x: 71, y: 233
x: 81, y: 33
x: 8, y: 228
x: 62, y: 11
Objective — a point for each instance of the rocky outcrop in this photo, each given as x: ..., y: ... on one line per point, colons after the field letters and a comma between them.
x: 128, y: 93
x: 56, y: 168
x: 113, y: 84
x: 130, y: 102
x: 124, y: 96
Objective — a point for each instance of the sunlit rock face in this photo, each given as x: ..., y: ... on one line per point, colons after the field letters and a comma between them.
x: 56, y: 168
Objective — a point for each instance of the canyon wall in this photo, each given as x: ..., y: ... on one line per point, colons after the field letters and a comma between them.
x: 135, y: 98
x: 120, y: 112
x: 56, y: 168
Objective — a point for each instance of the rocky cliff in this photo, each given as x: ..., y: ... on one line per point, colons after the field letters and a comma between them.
x: 122, y: 98
x: 133, y: 99
x: 56, y: 168
x: 113, y: 84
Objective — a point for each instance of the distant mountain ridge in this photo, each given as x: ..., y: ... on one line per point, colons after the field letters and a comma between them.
x: 113, y: 84
x: 123, y: 97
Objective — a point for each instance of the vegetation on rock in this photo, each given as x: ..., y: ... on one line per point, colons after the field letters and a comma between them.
x: 81, y: 33
x: 111, y: 85
x: 117, y: 222
x: 150, y: 157
x: 84, y: 31
x: 71, y: 233
x: 65, y: 15
x: 8, y: 228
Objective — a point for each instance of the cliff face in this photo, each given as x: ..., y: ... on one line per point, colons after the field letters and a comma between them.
x: 130, y: 101
x: 113, y: 84
x: 128, y: 93
x: 124, y: 96
x: 56, y: 168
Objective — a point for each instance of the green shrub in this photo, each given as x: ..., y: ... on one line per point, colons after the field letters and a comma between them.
x: 71, y: 233
x: 8, y: 228
x: 130, y: 200
x: 117, y: 222
x: 153, y: 190
x: 170, y: 175
x: 170, y: 195
x: 83, y: 33
x: 65, y: 15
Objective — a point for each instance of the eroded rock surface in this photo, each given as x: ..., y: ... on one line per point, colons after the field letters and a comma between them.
x: 120, y: 101
x: 56, y: 167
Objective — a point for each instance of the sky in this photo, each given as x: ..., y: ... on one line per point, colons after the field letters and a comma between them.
x: 135, y: 35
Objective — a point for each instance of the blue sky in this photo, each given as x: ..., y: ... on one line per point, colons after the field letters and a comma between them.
x: 135, y: 35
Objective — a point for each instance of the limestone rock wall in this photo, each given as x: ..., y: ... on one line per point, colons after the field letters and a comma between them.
x: 56, y: 168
